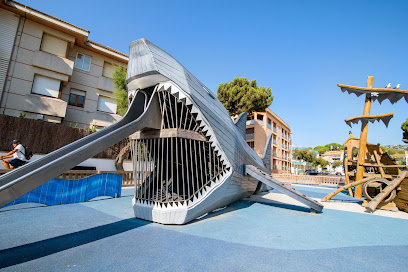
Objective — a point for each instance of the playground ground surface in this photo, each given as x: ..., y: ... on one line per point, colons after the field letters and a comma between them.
x: 268, y: 232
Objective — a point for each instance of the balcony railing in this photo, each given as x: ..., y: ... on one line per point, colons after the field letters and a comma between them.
x: 274, y: 129
x: 260, y: 122
x: 249, y: 122
x: 274, y: 167
x: 249, y: 136
x: 274, y: 142
x: 269, y: 126
x: 274, y: 154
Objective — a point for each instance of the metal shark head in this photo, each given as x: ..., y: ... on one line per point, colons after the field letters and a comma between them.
x: 195, y: 162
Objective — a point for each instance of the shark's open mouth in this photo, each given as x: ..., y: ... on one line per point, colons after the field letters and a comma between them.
x: 180, y: 162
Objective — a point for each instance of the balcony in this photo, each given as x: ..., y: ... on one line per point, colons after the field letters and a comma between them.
x: 104, y: 119
x: 52, y: 62
x: 45, y: 105
x: 260, y: 122
x: 249, y: 136
x: 105, y: 83
x: 249, y: 122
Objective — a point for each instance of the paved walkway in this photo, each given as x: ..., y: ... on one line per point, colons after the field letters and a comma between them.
x: 265, y: 233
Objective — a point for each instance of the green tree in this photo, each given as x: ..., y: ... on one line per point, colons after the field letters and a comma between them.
x: 120, y: 92
x: 389, y: 150
x: 355, y: 152
x: 320, y: 161
x: 336, y: 164
x: 404, y: 128
x: 242, y: 95
x: 334, y: 146
x: 304, y: 154
x: 321, y: 149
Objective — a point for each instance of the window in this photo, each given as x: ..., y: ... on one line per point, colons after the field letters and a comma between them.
x: 46, y: 86
x: 250, y: 131
x: 53, y: 45
x: 83, y: 62
x: 251, y: 144
x: 250, y: 117
x: 259, y: 117
x: 76, y: 98
x: 269, y: 121
x: 108, y: 70
x: 106, y: 104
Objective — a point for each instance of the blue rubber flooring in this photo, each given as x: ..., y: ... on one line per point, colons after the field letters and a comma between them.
x: 102, y: 235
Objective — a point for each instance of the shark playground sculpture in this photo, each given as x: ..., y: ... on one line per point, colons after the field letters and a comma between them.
x: 189, y: 157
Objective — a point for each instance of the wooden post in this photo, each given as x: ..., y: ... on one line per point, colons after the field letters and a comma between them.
x: 363, y: 141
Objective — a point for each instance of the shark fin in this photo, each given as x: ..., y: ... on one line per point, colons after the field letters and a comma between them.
x: 266, y: 157
x: 240, y: 123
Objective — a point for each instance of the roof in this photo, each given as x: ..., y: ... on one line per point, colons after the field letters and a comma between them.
x: 109, y: 48
x: 14, y: 3
x: 80, y: 34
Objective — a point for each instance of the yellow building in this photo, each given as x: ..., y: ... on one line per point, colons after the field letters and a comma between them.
x: 258, y: 126
x: 49, y: 70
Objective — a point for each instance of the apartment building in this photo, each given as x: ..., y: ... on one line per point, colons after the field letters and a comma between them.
x: 50, y: 70
x: 258, y: 126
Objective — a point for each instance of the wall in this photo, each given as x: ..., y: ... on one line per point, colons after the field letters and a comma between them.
x: 44, y: 137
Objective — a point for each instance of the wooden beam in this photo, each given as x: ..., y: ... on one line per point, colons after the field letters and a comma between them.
x: 347, y: 186
x: 382, y: 165
x: 363, y: 140
x: 378, y: 160
x: 387, y: 190
x: 370, y: 89
x: 169, y: 133
x: 369, y: 116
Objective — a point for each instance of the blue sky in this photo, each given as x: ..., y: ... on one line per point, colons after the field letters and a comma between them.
x: 301, y: 49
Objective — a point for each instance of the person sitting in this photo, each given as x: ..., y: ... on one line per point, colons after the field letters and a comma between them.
x: 14, y: 158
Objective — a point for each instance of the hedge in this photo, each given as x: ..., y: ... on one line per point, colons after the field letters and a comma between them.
x: 44, y: 137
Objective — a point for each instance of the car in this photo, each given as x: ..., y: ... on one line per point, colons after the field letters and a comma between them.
x: 311, y: 172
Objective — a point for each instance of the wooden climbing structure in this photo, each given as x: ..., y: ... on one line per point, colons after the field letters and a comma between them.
x: 373, y: 173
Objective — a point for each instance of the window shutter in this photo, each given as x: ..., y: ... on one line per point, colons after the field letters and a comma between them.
x: 108, y: 70
x: 53, y: 45
x: 106, y: 104
x: 77, y: 92
x: 46, y: 86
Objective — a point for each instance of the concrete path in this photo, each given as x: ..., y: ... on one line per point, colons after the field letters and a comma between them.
x: 274, y: 235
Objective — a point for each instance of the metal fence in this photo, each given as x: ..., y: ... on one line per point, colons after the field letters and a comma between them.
x: 311, y: 180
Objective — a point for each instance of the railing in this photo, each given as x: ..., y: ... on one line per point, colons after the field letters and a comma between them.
x: 312, y: 180
x: 127, y: 176
x: 249, y: 122
x: 274, y: 154
x: 274, y: 130
x: 274, y: 142
x: 249, y: 136
x: 260, y: 122
x: 269, y: 126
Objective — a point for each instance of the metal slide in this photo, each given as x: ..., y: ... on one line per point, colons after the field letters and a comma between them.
x: 274, y: 183
x: 142, y: 113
